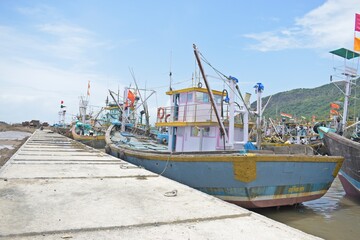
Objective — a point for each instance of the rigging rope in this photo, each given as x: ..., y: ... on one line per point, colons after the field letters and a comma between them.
x: 222, y: 76
x: 167, y: 162
x: 165, y: 86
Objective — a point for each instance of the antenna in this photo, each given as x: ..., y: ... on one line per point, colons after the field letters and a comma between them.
x: 170, y: 73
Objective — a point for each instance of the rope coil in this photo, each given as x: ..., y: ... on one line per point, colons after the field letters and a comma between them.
x: 172, y: 193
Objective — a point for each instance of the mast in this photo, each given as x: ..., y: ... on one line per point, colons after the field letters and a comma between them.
x: 147, y: 117
x: 231, y: 113
x: 346, y: 101
x: 170, y: 73
x: 259, y: 88
x: 124, y: 115
x: 211, y: 96
x: 350, y: 73
x: 116, y: 101
x: 82, y: 108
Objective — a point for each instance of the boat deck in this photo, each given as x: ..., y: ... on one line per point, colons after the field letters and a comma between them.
x: 56, y: 188
x: 137, y: 142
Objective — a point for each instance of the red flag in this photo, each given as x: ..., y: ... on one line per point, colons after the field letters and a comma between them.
x: 130, y: 98
x: 357, y: 22
x: 332, y: 111
x: 286, y: 115
x: 334, y: 105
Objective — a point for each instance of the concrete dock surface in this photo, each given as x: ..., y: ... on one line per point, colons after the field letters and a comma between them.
x: 56, y: 188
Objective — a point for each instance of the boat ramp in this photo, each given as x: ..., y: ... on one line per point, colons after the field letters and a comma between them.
x: 56, y: 188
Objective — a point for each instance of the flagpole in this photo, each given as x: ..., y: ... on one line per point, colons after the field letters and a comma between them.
x: 124, y: 111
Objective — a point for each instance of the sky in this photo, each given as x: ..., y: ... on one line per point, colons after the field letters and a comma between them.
x: 50, y: 50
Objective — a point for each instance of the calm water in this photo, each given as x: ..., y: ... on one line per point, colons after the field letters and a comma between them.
x: 13, y: 135
x: 334, y: 216
x: 7, y: 138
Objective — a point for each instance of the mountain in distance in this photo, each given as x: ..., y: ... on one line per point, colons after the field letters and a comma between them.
x: 305, y: 102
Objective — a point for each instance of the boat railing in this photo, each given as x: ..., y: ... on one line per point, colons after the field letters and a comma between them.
x: 192, y: 113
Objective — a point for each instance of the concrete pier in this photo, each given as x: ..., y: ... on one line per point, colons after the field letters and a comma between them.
x: 57, y: 188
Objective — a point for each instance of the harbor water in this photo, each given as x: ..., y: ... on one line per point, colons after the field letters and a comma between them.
x: 334, y: 216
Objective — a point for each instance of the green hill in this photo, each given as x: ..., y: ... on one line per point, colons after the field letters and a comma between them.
x: 311, y: 102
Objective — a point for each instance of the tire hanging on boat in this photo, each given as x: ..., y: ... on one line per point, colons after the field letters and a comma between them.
x: 160, y: 113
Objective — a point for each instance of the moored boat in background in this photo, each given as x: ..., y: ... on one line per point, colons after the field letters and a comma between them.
x: 86, y: 134
x: 349, y: 174
x: 338, y: 141
x: 90, y: 129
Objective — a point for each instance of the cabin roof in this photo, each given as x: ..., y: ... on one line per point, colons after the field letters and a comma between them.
x: 345, y: 53
x: 192, y: 89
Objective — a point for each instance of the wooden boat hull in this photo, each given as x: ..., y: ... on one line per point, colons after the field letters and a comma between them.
x: 66, y: 131
x: 349, y: 174
x: 97, y: 142
x: 251, y: 181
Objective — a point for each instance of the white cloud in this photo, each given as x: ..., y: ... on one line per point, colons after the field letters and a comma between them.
x: 35, y: 90
x: 39, y: 11
x: 328, y: 26
x: 34, y: 78
x: 45, y: 61
x: 69, y: 42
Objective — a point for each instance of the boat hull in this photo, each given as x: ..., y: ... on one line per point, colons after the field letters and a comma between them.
x: 350, y: 171
x: 251, y: 181
x: 351, y: 188
x: 97, y: 142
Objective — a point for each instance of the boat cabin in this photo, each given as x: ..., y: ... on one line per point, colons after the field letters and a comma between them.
x: 192, y: 124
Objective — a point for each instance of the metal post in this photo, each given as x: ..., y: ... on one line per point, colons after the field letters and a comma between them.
x: 124, y: 115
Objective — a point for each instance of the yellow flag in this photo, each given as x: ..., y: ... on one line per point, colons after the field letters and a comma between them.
x: 356, y: 44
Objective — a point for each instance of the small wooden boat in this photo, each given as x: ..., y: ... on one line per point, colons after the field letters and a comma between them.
x: 91, y: 129
x: 95, y: 139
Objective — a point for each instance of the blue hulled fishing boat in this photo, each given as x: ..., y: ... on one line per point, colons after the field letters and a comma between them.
x: 207, y: 148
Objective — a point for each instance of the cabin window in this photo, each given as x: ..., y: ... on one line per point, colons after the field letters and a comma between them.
x: 217, y: 99
x: 195, y: 131
x: 183, y: 98
x: 202, y: 97
x: 180, y: 132
x: 206, y: 131
x: 186, y: 97
x: 190, y: 97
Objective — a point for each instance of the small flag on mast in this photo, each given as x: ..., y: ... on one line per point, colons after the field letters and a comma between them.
x: 333, y: 111
x: 286, y: 115
x: 357, y: 29
x: 130, y: 99
x: 356, y: 44
x: 357, y: 22
x: 334, y: 105
x: 88, y: 90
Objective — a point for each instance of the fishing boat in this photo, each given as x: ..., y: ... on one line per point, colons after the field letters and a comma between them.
x: 284, y: 133
x: 83, y: 130
x: 89, y: 129
x: 349, y: 174
x: 86, y: 134
x: 207, y: 148
x: 337, y: 141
